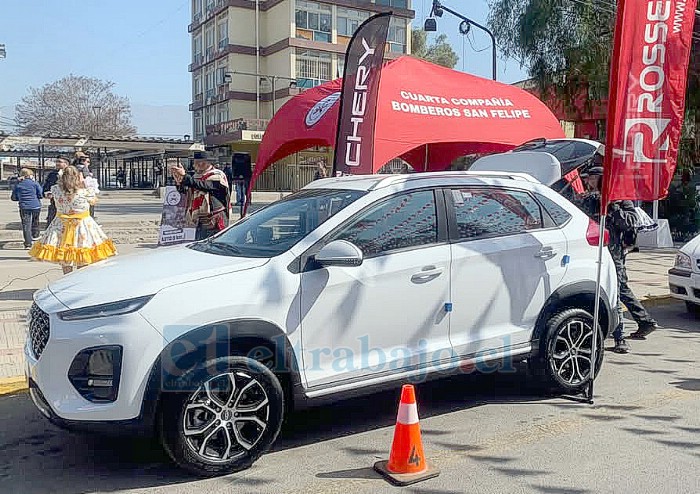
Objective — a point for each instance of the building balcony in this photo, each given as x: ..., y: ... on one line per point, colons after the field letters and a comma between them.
x: 239, y: 129
x: 197, y: 103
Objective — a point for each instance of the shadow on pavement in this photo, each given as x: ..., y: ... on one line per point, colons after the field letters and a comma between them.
x: 36, y: 457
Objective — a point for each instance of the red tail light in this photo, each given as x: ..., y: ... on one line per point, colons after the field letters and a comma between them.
x: 593, y: 234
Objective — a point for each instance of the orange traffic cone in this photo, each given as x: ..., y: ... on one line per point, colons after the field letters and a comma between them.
x: 407, y: 464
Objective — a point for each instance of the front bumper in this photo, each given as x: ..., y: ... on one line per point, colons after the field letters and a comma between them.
x: 684, y: 285
x: 50, y: 387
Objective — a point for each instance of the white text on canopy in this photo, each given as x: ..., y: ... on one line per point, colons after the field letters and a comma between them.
x: 424, y: 104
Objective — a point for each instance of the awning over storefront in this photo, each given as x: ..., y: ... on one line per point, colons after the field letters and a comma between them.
x: 427, y: 115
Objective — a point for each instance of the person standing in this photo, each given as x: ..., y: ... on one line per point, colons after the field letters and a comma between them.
x: 321, y: 170
x: 121, y: 178
x: 73, y: 239
x: 208, y: 196
x: 28, y: 193
x: 82, y: 163
x: 52, y: 179
x: 620, y: 221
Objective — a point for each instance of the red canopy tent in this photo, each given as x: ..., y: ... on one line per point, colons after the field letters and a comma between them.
x: 427, y: 115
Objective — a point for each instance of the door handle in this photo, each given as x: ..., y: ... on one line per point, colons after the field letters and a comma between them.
x: 427, y: 274
x: 546, y: 253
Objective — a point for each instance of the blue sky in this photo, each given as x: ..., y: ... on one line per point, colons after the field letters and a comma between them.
x: 144, y: 48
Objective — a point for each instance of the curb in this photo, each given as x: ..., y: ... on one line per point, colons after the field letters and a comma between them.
x: 656, y: 300
x: 12, y: 385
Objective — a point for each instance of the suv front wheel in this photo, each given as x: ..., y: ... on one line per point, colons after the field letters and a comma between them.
x: 227, y: 420
x: 564, y: 359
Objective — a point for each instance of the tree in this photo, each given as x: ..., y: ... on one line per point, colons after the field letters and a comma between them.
x: 75, y: 105
x: 440, y: 52
x: 567, y: 46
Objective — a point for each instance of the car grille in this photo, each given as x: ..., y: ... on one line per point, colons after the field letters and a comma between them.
x: 38, y: 330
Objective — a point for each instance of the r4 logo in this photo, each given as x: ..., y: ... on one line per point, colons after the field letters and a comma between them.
x: 414, y: 459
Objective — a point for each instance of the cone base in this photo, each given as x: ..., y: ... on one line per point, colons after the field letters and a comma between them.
x: 402, y: 479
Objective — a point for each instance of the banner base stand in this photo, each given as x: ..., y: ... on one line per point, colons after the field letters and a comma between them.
x: 658, y: 238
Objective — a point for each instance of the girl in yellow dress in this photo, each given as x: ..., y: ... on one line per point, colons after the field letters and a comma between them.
x: 73, y: 239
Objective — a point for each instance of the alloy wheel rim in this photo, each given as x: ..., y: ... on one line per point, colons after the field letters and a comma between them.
x: 571, y: 352
x: 226, y: 417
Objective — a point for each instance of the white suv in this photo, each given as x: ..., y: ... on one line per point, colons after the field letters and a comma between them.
x: 349, y: 285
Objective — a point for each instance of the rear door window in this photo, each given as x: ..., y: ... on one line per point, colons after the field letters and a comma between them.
x: 553, y: 211
x: 482, y: 213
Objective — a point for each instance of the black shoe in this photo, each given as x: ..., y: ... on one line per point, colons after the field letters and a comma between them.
x: 621, y: 346
x: 645, y: 329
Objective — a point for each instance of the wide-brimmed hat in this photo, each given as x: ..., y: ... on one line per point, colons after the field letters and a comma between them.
x: 80, y: 155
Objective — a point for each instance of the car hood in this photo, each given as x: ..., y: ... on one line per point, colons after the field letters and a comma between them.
x: 692, y: 248
x: 136, y: 275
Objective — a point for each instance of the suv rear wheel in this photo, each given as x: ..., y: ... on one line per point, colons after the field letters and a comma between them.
x: 227, y: 422
x: 564, y: 359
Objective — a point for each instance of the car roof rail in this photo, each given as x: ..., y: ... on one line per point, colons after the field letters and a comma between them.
x: 508, y: 175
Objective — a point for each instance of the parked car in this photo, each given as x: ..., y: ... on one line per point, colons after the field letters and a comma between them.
x: 548, y: 160
x: 684, y: 277
x: 348, y: 286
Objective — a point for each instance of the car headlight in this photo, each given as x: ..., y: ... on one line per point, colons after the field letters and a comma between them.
x: 683, y: 261
x: 105, y: 310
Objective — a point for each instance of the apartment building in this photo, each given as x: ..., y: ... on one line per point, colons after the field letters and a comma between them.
x: 291, y: 45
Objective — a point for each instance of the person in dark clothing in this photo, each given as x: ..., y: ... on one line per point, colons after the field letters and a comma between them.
x: 121, y: 178
x: 28, y: 193
x: 620, y: 223
x: 52, y: 179
x: 208, y: 196
x: 228, y: 171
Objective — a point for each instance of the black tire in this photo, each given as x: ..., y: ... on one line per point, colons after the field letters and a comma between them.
x: 560, y: 366
x: 694, y: 309
x: 214, y: 406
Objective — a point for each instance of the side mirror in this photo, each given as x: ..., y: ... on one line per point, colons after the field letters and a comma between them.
x: 339, y: 253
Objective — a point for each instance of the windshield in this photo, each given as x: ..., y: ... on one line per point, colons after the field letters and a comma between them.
x: 279, y: 226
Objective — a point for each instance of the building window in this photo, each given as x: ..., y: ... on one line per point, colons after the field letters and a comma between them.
x: 222, y: 33
x: 223, y: 113
x: 209, y: 83
x: 396, y: 39
x: 399, y: 4
x: 198, y: 124
x: 197, y: 49
x: 312, y: 68
x: 197, y: 85
x: 196, y: 10
x: 209, y: 40
x: 340, y: 64
x: 348, y: 22
x: 210, y: 116
x: 314, y: 21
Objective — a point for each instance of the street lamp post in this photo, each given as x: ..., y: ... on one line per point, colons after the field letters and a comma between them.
x: 96, y: 109
x: 431, y: 26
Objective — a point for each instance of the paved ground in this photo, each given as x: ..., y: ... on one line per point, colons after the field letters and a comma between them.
x: 487, y: 434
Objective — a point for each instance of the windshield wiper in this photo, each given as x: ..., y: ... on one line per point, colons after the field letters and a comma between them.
x: 231, y: 249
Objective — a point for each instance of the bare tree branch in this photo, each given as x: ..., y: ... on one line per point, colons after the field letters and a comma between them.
x: 75, y: 105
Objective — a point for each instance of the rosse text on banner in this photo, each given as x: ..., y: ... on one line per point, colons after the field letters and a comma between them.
x: 647, y: 97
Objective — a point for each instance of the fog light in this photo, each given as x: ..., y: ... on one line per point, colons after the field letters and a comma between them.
x: 95, y: 373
